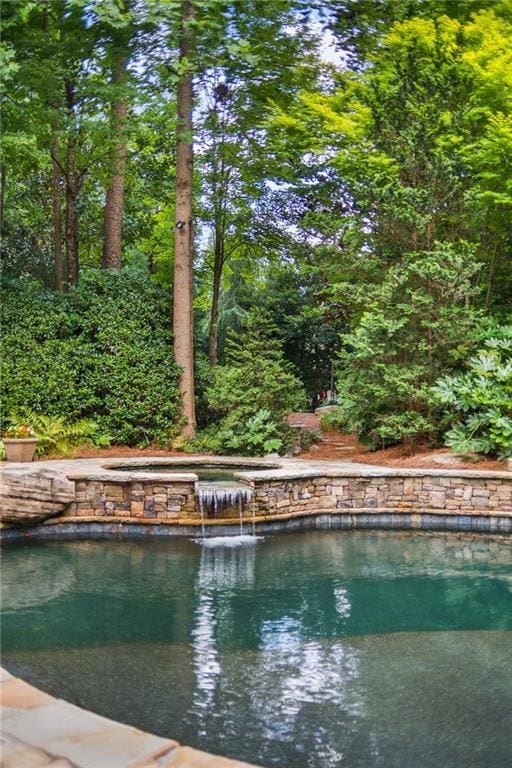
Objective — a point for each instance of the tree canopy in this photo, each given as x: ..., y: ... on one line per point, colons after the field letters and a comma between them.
x: 349, y: 180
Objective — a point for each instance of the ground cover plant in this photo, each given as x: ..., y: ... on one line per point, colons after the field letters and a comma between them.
x: 54, y: 434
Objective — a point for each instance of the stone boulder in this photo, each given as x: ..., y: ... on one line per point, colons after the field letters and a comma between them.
x: 29, y: 495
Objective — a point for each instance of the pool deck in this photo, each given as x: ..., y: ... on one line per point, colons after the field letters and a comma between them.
x: 39, y: 731
x: 267, y: 468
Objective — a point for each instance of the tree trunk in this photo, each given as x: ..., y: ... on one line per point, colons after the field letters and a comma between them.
x: 114, y: 199
x: 71, y: 230
x: 56, y: 214
x: 72, y: 190
x: 183, y: 322
x: 490, y: 277
x: 218, y: 263
x: 2, y: 197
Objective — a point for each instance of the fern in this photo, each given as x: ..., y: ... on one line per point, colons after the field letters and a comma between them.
x: 56, y: 435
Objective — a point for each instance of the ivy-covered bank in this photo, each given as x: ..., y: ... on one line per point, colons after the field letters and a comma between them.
x: 101, y: 351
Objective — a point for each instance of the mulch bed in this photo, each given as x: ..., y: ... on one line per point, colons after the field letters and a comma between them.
x: 328, y: 450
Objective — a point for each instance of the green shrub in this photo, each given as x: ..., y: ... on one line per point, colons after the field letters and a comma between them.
x: 415, y: 325
x: 479, y: 401
x: 102, y: 351
x: 257, y: 434
x: 333, y: 419
x: 250, y: 397
x: 308, y: 438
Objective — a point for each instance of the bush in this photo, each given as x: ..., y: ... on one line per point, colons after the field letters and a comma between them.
x: 103, y: 351
x: 416, y: 324
x: 250, y: 397
x: 333, y: 419
x: 479, y: 401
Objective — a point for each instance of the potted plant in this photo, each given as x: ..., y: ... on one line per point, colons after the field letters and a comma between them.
x: 20, y: 442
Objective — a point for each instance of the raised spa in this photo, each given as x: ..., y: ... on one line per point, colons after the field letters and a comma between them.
x: 211, y: 473
x: 318, y: 649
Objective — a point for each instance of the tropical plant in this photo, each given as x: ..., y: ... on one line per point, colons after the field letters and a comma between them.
x: 479, y: 400
x: 258, y: 434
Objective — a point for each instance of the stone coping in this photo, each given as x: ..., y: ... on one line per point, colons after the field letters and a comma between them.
x: 264, y: 469
x: 40, y: 730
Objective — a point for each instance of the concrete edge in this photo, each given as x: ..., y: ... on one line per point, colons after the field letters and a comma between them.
x: 282, y: 469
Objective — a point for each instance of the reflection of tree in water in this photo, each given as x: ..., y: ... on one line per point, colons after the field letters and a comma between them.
x: 293, y: 652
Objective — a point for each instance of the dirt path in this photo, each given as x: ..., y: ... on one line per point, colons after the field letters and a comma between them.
x: 337, y: 446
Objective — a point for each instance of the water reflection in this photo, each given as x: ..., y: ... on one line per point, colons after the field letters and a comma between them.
x: 221, y: 569
x: 39, y: 581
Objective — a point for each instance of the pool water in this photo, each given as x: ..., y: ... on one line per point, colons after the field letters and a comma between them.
x: 310, y: 650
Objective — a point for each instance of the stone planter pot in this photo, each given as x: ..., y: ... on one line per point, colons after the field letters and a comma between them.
x: 20, y: 448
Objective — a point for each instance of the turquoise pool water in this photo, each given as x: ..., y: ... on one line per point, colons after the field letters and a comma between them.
x: 312, y: 650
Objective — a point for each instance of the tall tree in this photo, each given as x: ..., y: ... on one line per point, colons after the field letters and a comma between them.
x: 114, y: 198
x: 74, y: 180
x: 56, y: 213
x: 183, y: 322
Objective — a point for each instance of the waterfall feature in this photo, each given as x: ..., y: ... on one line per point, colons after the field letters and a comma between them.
x: 217, y: 500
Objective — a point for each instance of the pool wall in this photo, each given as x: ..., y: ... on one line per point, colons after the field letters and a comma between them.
x: 354, y: 494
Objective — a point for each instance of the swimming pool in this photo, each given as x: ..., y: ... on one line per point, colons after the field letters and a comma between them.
x: 388, y: 649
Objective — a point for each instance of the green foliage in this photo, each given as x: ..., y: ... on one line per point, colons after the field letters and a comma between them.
x: 479, y: 400
x: 257, y: 434
x: 251, y: 395
x: 323, y: 191
x: 308, y: 437
x: 56, y: 435
x: 103, y: 352
x: 333, y: 419
x: 415, y: 326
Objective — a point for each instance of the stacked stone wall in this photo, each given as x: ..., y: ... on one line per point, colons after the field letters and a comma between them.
x: 143, y: 500
x: 432, y: 493
x: 160, y: 500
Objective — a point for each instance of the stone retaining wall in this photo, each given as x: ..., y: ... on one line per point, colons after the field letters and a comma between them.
x: 98, y: 493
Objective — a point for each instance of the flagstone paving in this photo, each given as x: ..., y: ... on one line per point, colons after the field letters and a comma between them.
x: 39, y: 731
